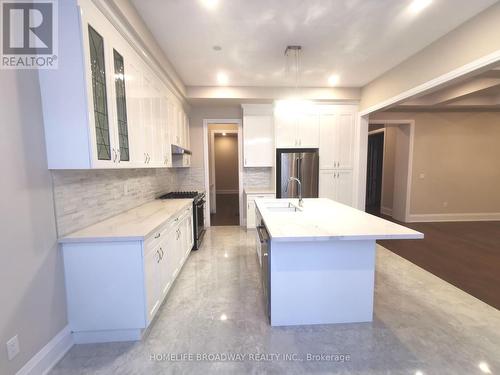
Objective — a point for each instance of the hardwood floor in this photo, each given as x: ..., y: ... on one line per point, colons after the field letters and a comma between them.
x: 466, y: 254
x: 227, y: 210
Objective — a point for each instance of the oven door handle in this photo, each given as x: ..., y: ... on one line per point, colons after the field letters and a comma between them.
x: 200, y: 203
x: 261, y: 230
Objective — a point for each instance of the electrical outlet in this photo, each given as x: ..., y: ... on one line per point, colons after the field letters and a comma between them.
x: 422, y: 176
x: 12, y: 347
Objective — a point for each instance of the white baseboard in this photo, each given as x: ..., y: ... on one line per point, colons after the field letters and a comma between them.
x: 386, y: 211
x: 43, y: 361
x: 227, y: 191
x: 422, y: 218
x: 92, y: 337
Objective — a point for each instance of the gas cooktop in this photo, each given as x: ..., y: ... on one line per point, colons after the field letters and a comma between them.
x: 180, y: 195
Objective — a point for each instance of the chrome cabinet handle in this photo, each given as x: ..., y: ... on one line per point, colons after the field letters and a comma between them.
x: 145, y: 158
x: 158, y: 235
x: 159, y: 256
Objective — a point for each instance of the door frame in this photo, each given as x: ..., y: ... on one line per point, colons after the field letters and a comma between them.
x: 239, y: 123
x: 383, y: 161
x: 410, y: 123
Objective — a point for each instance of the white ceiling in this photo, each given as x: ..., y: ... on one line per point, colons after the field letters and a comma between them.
x: 357, y: 39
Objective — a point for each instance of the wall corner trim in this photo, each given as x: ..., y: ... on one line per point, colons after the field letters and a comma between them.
x: 43, y: 361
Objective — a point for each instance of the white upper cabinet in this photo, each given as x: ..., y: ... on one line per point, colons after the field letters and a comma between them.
x: 286, y: 130
x: 105, y: 107
x: 337, y: 124
x: 296, y: 127
x: 258, y: 135
x: 308, y: 130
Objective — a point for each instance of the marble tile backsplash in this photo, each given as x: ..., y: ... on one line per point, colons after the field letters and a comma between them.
x: 258, y: 177
x: 190, y: 179
x: 83, y: 198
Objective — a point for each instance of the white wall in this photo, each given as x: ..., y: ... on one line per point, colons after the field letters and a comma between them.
x: 32, y: 296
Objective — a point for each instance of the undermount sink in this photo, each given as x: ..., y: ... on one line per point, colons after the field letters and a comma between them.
x: 289, y: 207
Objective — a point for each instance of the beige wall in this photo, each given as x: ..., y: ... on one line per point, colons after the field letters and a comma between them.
x: 226, y: 163
x: 474, y: 39
x: 32, y: 296
x: 458, y: 155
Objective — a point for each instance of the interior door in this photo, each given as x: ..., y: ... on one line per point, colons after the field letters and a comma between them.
x: 375, y: 162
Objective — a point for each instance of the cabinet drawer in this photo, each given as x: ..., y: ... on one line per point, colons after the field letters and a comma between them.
x: 159, y: 235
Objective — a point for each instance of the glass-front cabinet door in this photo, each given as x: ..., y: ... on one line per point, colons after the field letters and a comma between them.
x: 99, y: 95
x: 121, y: 108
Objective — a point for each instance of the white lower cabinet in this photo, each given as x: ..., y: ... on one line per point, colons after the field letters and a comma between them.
x: 336, y: 185
x: 250, y: 198
x: 115, y: 288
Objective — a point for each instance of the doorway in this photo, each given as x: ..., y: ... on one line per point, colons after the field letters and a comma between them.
x: 223, y: 177
x: 374, y: 171
x: 389, y: 167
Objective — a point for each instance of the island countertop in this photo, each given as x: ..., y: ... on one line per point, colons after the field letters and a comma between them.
x: 322, y: 219
x: 133, y: 225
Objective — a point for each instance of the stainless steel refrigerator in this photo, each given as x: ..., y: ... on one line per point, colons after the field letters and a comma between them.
x: 299, y: 163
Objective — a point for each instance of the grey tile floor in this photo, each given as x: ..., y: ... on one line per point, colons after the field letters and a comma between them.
x: 422, y: 325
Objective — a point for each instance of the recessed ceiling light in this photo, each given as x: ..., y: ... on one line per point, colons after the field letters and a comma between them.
x: 210, y: 4
x: 483, y: 366
x: 333, y: 80
x: 224, y: 134
x: 417, y: 5
x: 217, y: 48
x: 222, y: 78
x: 223, y: 317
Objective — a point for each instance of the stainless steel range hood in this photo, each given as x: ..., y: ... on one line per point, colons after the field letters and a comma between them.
x: 178, y: 150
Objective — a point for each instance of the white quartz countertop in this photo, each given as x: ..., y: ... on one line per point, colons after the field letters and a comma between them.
x: 259, y: 190
x: 323, y: 219
x: 133, y: 225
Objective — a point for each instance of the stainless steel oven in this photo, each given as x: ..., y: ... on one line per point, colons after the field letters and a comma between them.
x: 265, y: 249
x: 199, y: 220
x: 198, y: 212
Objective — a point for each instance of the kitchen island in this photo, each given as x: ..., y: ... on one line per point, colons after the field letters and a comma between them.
x: 318, y: 260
